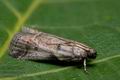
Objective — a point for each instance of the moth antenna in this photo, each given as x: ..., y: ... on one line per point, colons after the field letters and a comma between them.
x: 84, y: 63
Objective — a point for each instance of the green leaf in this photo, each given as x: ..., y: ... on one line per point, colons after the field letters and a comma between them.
x: 93, y: 22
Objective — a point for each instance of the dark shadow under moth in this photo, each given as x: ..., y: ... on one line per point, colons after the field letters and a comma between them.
x: 31, y: 44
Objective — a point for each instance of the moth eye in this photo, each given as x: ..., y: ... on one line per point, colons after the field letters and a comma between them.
x: 92, y: 54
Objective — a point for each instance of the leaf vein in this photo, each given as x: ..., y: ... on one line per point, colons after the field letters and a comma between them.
x: 10, y: 7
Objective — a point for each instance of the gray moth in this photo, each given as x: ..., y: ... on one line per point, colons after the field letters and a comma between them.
x: 32, y: 44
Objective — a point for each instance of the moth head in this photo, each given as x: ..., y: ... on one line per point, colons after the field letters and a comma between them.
x: 92, y: 54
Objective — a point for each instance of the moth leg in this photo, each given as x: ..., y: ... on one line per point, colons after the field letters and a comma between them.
x: 84, y: 63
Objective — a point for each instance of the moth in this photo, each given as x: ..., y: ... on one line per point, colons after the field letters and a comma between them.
x: 31, y: 44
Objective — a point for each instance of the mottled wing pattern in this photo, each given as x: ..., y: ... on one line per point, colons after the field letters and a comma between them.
x: 32, y: 44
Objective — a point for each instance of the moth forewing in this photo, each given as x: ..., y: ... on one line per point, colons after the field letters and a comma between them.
x: 35, y: 45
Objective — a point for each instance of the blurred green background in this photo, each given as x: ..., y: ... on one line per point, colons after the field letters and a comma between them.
x: 94, y: 22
